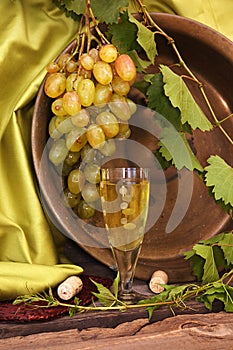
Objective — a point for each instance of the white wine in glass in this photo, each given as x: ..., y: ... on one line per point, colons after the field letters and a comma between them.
x: 125, y: 202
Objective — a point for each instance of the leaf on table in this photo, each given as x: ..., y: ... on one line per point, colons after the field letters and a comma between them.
x: 181, y: 97
x: 219, y: 175
x: 145, y: 38
x: 175, y: 148
x: 223, y: 293
x: 104, y: 295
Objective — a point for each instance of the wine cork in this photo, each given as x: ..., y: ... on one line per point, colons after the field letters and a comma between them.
x: 70, y: 287
x: 158, y: 277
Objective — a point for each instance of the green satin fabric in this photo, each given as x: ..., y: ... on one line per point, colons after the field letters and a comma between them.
x: 32, y: 33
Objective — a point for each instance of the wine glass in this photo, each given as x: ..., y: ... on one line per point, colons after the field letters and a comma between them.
x: 125, y: 201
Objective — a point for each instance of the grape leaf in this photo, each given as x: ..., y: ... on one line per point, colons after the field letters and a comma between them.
x: 124, y: 34
x: 181, y: 97
x: 140, y: 64
x: 226, y: 245
x: 219, y: 175
x: 104, y: 10
x: 145, y: 38
x: 108, y: 11
x: 159, y: 102
x: 175, y: 148
x: 104, y: 295
x: 210, y: 272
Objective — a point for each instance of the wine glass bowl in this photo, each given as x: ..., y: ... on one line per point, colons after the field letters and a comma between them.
x: 125, y: 201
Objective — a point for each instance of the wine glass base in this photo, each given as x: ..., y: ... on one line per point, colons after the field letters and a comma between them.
x: 130, y: 298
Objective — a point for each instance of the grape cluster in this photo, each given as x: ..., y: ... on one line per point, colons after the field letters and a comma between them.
x: 90, y: 109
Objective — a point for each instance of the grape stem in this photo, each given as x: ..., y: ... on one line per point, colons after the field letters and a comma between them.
x: 171, y: 42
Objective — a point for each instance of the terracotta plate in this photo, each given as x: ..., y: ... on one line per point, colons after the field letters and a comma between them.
x: 178, y: 226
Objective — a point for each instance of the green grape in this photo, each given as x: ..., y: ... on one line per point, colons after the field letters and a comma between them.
x: 72, y: 158
x: 58, y: 152
x: 71, y: 102
x: 65, y: 169
x: 90, y: 193
x: 108, y: 148
x: 53, y: 132
x: 125, y: 67
x: 120, y: 86
x: 57, y: 107
x: 92, y: 173
x: 95, y: 135
x: 87, y: 61
x: 103, y: 94
x: 119, y: 106
x: 64, y: 126
x: 86, y: 92
x: 55, y: 85
x: 70, y: 199
x: 108, y: 53
x: 88, y: 153
x: 108, y: 123
x: 84, y: 210
x: 103, y: 72
x: 132, y: 106
x: 75, y: 181
x: 81, y: 119
x: 76, y: 139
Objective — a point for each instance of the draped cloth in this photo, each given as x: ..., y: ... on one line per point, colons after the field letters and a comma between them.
x: 32, y: 33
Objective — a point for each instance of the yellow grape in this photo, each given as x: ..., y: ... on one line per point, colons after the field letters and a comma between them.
x: 108, y: 123
x: 57, y: 107
x: 86, y: 92
x: 75, y: 181
x: 71, y: 102
x: 81, y: 119
x: 102, y: 72
x: 76, y: 139
x: 103, y: 94
x: 87, y: 61
x: 72, y: 81
x: 55, y: 85
x: 132, y: 106
x: 125, y: 67
x: 94, y: 53
x: 108, y: 53
x: 119, y: 106
x: 71, y: 66
x: 52, y: 67
x: 120, y: 86
x: 95, y: 135
x: 62, y: 60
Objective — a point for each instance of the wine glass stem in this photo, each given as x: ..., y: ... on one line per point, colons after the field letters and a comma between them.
x: 126, y: 261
